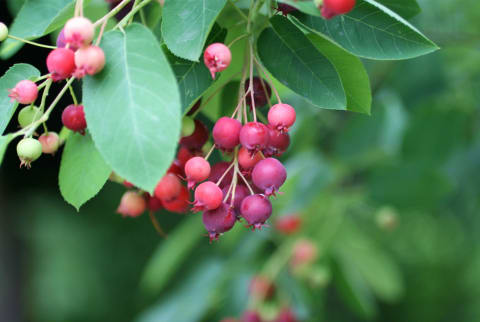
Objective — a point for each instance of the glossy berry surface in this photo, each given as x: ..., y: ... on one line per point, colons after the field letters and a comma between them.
x: 256, y: 209
x: 61, y: 63
x: 132, y: 204
x: 218, y: 221
x: 198, y: 138
x: 168, y: 188
x: 246, y: 160
x: 28, y: 150
x: 89, y: 60
x: 269, y: 175
x: 73, y: 117
x: 208, y: 196
x: 281, y: 117
x: 254, y: 136
x: 332, y: 8
x: 278, y: 142
x: 25, y: 92
x: 50, y: 142
x: 261, y: 92
x: 79, y: 32
x: 28, y: 115
x: 217, y: 57
x: 226, y: 133
x: 197, y: 169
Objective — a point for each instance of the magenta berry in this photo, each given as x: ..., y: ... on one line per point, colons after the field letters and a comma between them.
x: 332, y: 8
x: 208, y: 196
x: 261, y: 94
x: 285, y: 9
x: 89, y: 60
x: 61, y: 63
x: 277, y: 144
x: 168, y: 188
x: 251, y: 316
x: 286, y: 315
x: 281, y: 117
x: 247, y: 160
x: 79, y: 32
x: 269, y: 175
x: 28, y: 150
x: 226, y: 133
x: 218, y: 169
x: 50, y: 142
x: 197, y: 169
x: 219, y: 220
x: 241, y: 191
x: 254, y: 136
x: 132, y: 204
x: 25, y: 92
x: 73, y: 118
x: 256, y: 209
x: 217, y: 57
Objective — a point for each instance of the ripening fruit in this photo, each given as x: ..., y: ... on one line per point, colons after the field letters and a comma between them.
x: 269, y: 175
x: 61, y: 63
x: 261, y: 287
x: 246, y: 160
x: 256, y: 209
x: 208, y: 196
x: 217, y: 57
x: 197, y: 169
x: 28, y: 150
x: 332, y: 8
x: 251, y: 316
x: 216, y: 172
x: 61, y: 42
x: 281, y: 117
x: 277, y: 144
x: 254, y: 136
x: 198, y: 138
x: 188, y: 126
x: 128, y: 184
x: 168, y: 188
x: 3, y: 31
x: 73, y: 117
x: 286, y: 315
x: 241, y: 192
x: 153, y: 203
x: 50, y: 142
x: 79, y: 32
x: 261, y: 94
x: 304, y: 253
x: 25, y: 92
x: 226, y: 133
x: 132, y: 204
x: 179, y: 204
x: 89, y: 60
x: 289, y: 224
x: 219, y: 220
x: 28, y: 115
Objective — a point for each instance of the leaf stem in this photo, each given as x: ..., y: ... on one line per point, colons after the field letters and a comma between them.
x: 31, y: 42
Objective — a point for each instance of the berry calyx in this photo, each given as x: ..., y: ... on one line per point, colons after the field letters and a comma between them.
x: 89, y: 60
x: 218, y: 221
x: 197, y: 169
x: 281, y: 117
x: 132, y: 204
x: 226, y: 133
x: 168, y: 188
x: 73, y: 117
x: 61, y: 63
x: 50, y: 142
x: 188, y: 126
x: 28, y: 115
x: 289, y: 224
x: 256, y: 209
x: 79, y: 31
x: 25, y: 92
x: 246, y: 160
x: 261, y: 94
x: 208, y: 196
x: 285, y: 9
x: 332, y: 8
x: 217, y: 57
x: 179, y: 204
x: 277, y: 144
x: 28, y: 150
x: 198, y: 138
x: 269, y: 175
x: 3, y: 31
x: 254, y: 136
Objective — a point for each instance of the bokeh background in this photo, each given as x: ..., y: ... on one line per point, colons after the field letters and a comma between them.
x: 391, y: 201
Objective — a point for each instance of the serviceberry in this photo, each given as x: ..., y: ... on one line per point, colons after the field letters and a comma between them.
x: 217, y: 170
x: 268, y: 175
x: 25, y: 92
x: 251, y: 316
x: 62, y: 43
x: 61, y: 63
x: 246, y: 160
x: 168, y: 188
x: 132, y: 204
x: 89, y: 60
x: 3, y: 31
x: 261, y: 94
x: 198, y: 138
x: 304, y: 253
x: 153, y: 203
x: 226, y: 133
x: 281, y: 117
x: 261, y: 287
x: 332, y: 8
x: 28, y: 150
x: 128, y: 184
x: 28, y: 115
x: 256, y: 209
x: 208, y: 196
x: 180, y: 204
x: 197, y: 169
x: 217, y: 57
x: 285, y: 9
x: 241, y: 191
x: 277, y: 144
x: 286, y: 315
x: 289, y: 224
x: 219, y: 220
x: 254, y: 136
x: 79, y: 31
x: 50, y: 142
x: 73, y: 117
x: 183, y: 155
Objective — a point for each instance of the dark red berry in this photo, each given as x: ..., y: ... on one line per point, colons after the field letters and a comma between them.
x: 277, y: 144
x: 199, y: 137
x: 281, y: 117
x: 168, y: 188
x: 179, y: 204
x: 153, y: 203
x: 332, y: 8
x: 128, y: 184
x: 241, y: 192
x: 251, y: 316
x: 73, y: 118
x: 256, y: 209
x: 226, y: 133
x: 218, y: 169
x: 285, y: 9
x: 176, y: 168
x: 286, y: 315
x: 197, y: 169
x: 219, y: 220
x: 261, y: 94
x: 254, y: 136
x: 269, y: 175
x: 61, y: 63
x: 208, y: 196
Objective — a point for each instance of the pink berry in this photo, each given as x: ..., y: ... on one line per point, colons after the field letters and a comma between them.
x: 89, y: 60
x: 251, y: 316
x: 269, y: 175
x: 61, y: 63
x: 246, y: 160
x: 226, y: 133
x: 132, y: 204
x: 241, y: 192
x: 261, y: 287
x: 332, y: 8
x: 25, y: 92
x: 288, y: 225
x: 281, y: 117
x: 277, y: 144
x: 196, y: 169
x: 79, y: 32
x: 261, y: 94
x: 219, y: 220
x: 286, y: 315
x: 73, y: 118
x: 168, y: 188
x: 218, y: 169
x: 217, y: 57
x: 256, y: 209
x: 254, y: 136
x: 208, y: 196
x: 304, y: 253
x: 197, y: 140
x: 50, y: 142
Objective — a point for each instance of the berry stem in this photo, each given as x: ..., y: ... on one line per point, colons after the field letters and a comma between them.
x: 237, y: 39
x: 41, y: 78
x: 112, y: 13
x: 265, y: 90
x: 251, y: 84
x: 260, y: 68
x: 156, y: 224
x: 72, y: 94
x: 31, y: 42
x: 240, y: 103
x: 48, y: 83
x: 135, y: 4
x: 102, y: 29
x: 209, y: 152
x: 225, y: 173
x: 132, y: 13
x: 237, y: 9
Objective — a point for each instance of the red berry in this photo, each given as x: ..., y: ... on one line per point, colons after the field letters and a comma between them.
x: 61, y: 63
x: 73, y: 118
x: 168, y: 188
x: 285, y: 9
x: 226, y: 133
x: 304, y: 253
x: 208, y: 196
x: 246, y: 160
x: 261, y: 287
x: 128, y: 184
x: 281, y: 117
x: 180, y: 204
x: 176, y: 168
x: 183, y: 155
x: 241, y: 192
x: 277, y: 144
x: 50, y: 142
x: 254, y: 136
x: 286, y: 315
x: 132, y: 204
x: 269, y: 175
x: 332, y: 8
x: 251, y: 316
x: 256, y: 209
x: 288, y: 224
x: 218, y: 169
x: 195, y: 107
x: 79, y: 32
x: 89, y: 60
x: 196, y: 169
x: 25, y: 92
x: 217, y: 57
x: 153, y: 203
x: 261, y: 94
x: 197, y: 139
x: 219, y: 220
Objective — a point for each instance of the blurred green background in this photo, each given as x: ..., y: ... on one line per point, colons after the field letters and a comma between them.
x: 391, y: 201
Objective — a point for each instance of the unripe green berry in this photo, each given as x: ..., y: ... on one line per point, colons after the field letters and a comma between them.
x: 3, y: 31
x: 188, y: 126
x: 28, y: 115
x: 28, y: 150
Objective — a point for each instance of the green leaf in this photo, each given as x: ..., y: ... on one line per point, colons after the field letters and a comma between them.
x: 4, y: 141
x: 82, y: 170
x: 133, y: 107
x: 372, y: 31
x: 353, y: 75
x: 13, y: 75
x: 291, y: 58
x: 35, y: 19
x: 186, y: 24
x: 405, y: 8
